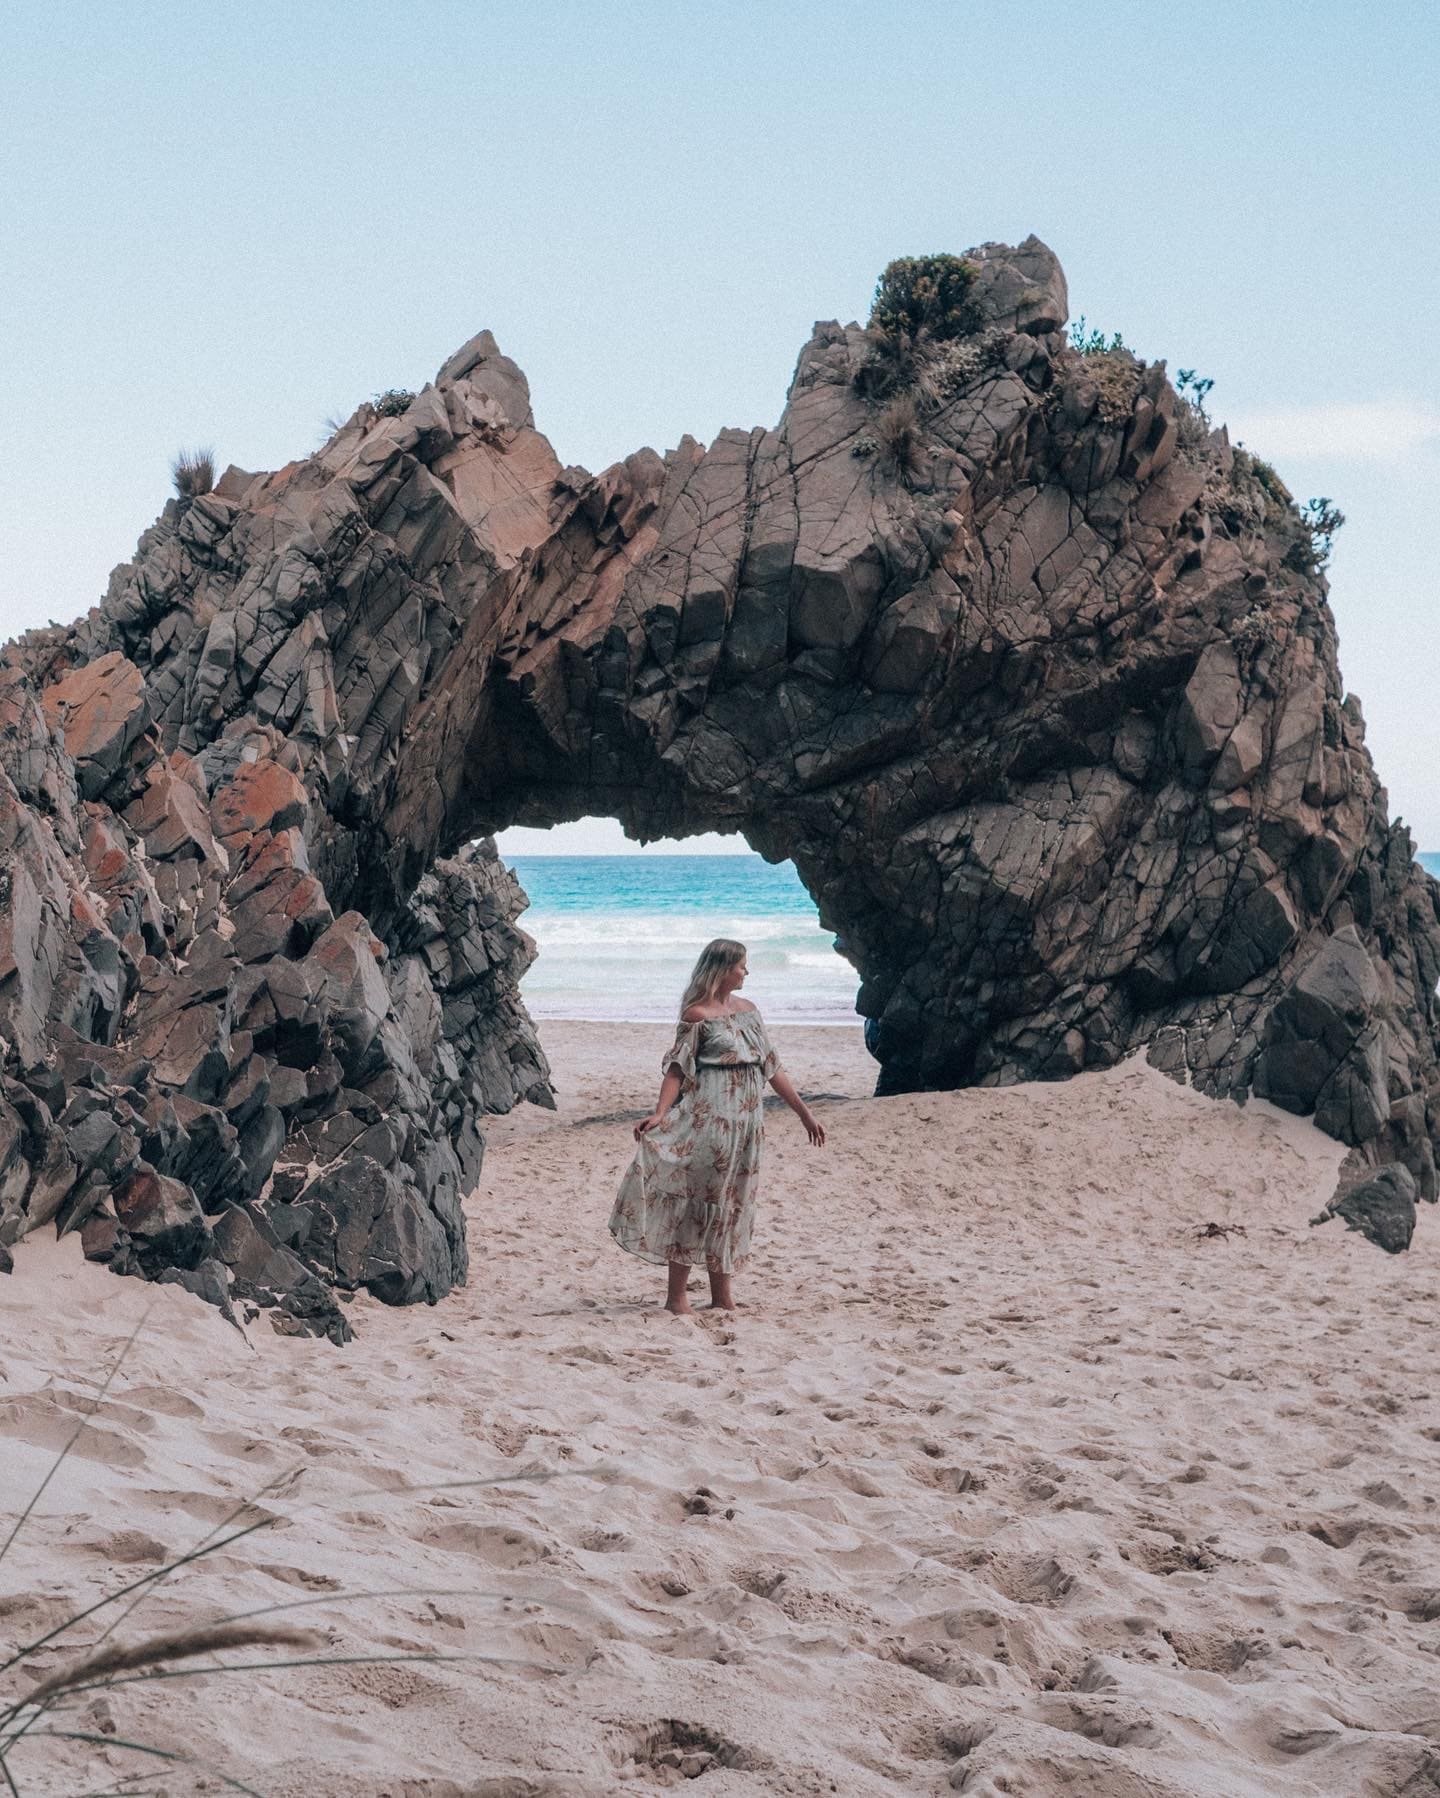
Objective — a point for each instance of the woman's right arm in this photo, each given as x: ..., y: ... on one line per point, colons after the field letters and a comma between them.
x: 669, y: 1093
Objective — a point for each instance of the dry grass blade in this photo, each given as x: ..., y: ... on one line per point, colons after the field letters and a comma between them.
x: 213, y: 1542
x: 160, y: 1754
x: 174, y: 1645
x: 145, y: 1588
x: 328, y: 1598
x: 146, y: 1579
x: 85, y: 1417
x: 319, y: 1660
x: 408, y: 1489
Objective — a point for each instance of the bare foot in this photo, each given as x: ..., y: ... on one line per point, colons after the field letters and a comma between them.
x: 678, y: 1307
x: 722, y: 1305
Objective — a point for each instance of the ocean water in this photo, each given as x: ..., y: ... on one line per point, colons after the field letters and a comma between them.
x: 619, y: 934
x: 1429, y: 860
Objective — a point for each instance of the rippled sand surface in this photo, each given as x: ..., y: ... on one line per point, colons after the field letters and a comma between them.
x: 1009, y: 1476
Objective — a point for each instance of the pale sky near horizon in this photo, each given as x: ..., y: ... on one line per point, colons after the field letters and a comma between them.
x: 222, y: 225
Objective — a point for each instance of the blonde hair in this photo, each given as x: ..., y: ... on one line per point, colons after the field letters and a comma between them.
x: 716, y: 960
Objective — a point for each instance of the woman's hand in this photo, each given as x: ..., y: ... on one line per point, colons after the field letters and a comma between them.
x: 814, y: 1129
x: 647, y: 1124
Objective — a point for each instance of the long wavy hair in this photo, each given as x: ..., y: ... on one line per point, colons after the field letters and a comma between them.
x: 716, y: 960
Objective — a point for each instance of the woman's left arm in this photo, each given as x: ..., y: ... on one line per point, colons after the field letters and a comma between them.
x: 783, y: 1085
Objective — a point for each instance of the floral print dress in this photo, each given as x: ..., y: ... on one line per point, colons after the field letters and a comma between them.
x: 689, y: 1194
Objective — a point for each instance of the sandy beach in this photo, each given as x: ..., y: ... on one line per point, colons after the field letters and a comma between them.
x: 1010, y: 1475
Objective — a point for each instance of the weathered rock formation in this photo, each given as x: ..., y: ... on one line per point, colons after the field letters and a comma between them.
x: 1032, y: 676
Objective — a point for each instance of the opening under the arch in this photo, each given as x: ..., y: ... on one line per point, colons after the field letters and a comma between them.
x: 618, y: 925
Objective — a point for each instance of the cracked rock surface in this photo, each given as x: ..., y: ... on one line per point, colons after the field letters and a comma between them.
x: 1043, y: 702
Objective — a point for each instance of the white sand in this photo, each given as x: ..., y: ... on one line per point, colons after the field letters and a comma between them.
x: 1002, y: 1481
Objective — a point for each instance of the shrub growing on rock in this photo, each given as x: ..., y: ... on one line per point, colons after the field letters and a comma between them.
x: 1193, y: 423
x: 1270, y: 481
x: 1322, y: 520
x: 394, y: 401
x: 924, y: 297
x: 1265, y: 502
x: 1116, y: 375
x: 193, y: 472
x: 1093, y: 343
x: 953, y: 366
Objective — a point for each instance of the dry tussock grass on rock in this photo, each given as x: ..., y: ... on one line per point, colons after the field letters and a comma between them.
x: 897, y: 430
x: 193, y: 472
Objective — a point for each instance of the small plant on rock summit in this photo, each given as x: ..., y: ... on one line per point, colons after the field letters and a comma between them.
x: 394, y: 401
x: 1093, y: 343
x: 925, y: 297
x: 193, y: 472
x: 1193, y: 423
x: 1196, y: 389
x: 1263, y: 501
x: 920, y: 302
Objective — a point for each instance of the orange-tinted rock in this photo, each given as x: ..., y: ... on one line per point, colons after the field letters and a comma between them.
x: 100, y: 709
x: 261, y: 796
x: 171, y: 816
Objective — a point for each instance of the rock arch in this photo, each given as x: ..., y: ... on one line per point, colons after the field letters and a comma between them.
x: 1038, y: 690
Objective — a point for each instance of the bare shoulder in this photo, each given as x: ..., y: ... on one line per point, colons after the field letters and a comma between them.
x: 692, y: 1014
x: 745, y: 1005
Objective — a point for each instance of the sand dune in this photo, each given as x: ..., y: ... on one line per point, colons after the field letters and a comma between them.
x: 1003, y: 1480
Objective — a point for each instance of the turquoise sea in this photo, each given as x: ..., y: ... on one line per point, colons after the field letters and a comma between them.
x: 618, y: 935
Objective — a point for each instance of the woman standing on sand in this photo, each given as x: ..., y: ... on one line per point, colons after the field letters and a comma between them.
x: 688, y: 1197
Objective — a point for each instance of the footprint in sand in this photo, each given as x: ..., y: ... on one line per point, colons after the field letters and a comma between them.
x: 1112, y: 1722
x: 1032, y: 1579
x: 44, y: 1428
x: 603, y: 1542
x: 488, y: 1542
x: 129, y: 1548
x: 1224, y: 1651
x: 661, y: 1751
x: 162, y: 1400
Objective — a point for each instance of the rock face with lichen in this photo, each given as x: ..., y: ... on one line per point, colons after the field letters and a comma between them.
x: 1031, y: 674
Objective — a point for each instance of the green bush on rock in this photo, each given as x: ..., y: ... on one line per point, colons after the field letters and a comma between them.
x: 925, y: 296
x: 1093, y: 343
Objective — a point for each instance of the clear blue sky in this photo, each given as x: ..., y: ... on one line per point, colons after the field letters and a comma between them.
x: 220, y: 225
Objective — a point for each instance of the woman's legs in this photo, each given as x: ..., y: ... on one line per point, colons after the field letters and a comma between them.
x: 676, y: 1297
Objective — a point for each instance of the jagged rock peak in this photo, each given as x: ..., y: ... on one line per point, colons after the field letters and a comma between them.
x: 1033, y: 677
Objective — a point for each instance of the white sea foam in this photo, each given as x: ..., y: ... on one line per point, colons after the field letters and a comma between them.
x: 617, y: 937
x: 624, y: 928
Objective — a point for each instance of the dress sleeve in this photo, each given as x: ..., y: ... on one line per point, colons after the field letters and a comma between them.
x: 769, y: 1060
x: 681, y: 1054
